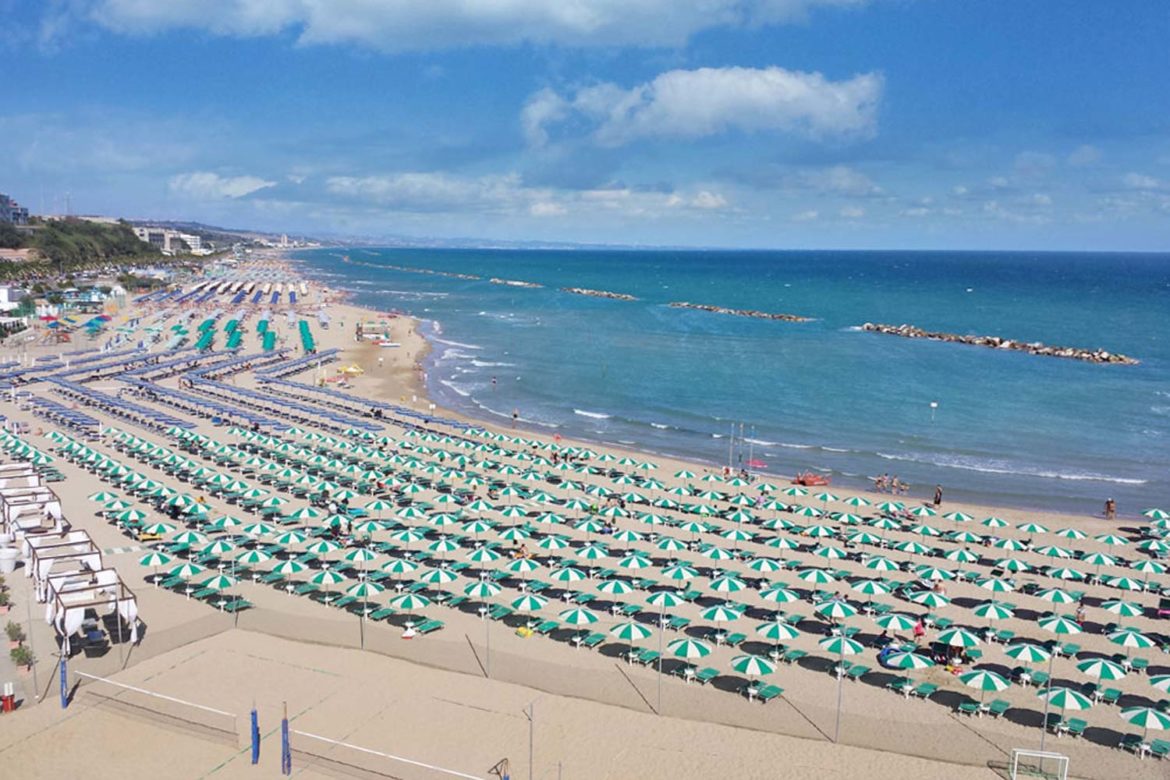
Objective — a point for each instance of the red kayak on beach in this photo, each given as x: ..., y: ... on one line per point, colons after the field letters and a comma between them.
x: 809, y: 479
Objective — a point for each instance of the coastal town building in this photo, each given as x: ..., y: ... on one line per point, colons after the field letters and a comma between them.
x: 10, y: 297
x: 171, y: 242
x: 11, y: 212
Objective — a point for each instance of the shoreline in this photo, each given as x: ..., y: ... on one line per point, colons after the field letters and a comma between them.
x: 424, y: 347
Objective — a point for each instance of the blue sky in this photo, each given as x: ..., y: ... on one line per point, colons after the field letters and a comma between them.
x: 742, y: 123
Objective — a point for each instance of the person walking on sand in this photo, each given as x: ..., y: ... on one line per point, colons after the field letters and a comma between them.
x: 937, y: 496
x: 1110, y: 509
x: 515, y: 416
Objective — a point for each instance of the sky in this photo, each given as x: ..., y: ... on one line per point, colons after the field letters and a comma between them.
x: 913, y: 124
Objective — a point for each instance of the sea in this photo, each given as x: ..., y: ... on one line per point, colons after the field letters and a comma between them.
x: 993, y: 426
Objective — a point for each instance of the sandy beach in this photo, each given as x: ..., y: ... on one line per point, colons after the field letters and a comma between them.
x: 456, y: 698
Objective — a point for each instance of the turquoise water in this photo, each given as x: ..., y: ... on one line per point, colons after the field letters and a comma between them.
x: 1011, y: 428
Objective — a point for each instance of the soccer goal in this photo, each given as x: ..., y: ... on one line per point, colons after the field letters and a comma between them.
x: 1037, y: 763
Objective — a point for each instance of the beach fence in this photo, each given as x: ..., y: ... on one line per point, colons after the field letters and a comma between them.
x: 1028, y: 764
x: 159, y: 709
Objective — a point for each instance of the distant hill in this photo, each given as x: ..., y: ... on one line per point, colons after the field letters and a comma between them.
x: 72, y: 244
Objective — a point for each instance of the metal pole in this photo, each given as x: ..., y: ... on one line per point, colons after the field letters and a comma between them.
x: 32, y: 650
x: 840, y: 661
x: 661, y: 616
x: 1047, y: 701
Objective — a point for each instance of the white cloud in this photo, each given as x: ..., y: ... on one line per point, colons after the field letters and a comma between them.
x: 1084, y: 155
x: 403, y: 25
x: 852, y: 212
x: 437, y: 192
x: 204, y: 185
x: 544, y: 208
x: 1141, y: 181
x: 837, y: 180
x: 693, y: 104
x: 708, y: 200
x: 806, y: 216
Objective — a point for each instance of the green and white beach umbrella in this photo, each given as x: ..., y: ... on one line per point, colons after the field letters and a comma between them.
x: 664, y: 599
x: 579, y: 616
x: 896, y: 621
x: 1156, y: 514
x: 1131, y: 639
x: 1059, y: 625
x: 841, y: 645
x: 218, y: 547
x: 880, y: 563
x: 567, y: 574
x: 218, y: 582
x: 871, y: 588
x: 529, y: 602
x: 409, y: 602
x: 778, y: 631
x: 615, y: 587
x: 130, y: 516
x: 102, y: 496
x: 816, y: 577
x: 1126, y: 609
x: 1161, y: 682
x: 286, y: 568
x: 252, y: 557
x: 364, y: 590
x: 327, y: 577
x: 1146, y: 717
x: 360, y: 555
x: 438, y: 576
x: 688, y: 649
x: 727, y: 584
x: 399, y: 566
x: 680, y: 572
x: 765, y: 565
x: 984, y: 681
x: 1028, y: 653
x: 778, y: 594
x: 631, y: 632
x: 116, y: 505
x: 752, y: 665
x: 958, y: 637
x: 323, y: 547
x: 835, y: 609
x: 1102, y: 669
x: 1055, y: 596
x: 154, y: 559
x: 993, y: 610
x: 720, y: 614
x: 158, y: 528
x: 1066, y: 699
x: 482, y: 589
x: 908, y: 661
x: 187, y: 570
x: 928, y: 598
x: 996, y: 585
x: 635, y: 561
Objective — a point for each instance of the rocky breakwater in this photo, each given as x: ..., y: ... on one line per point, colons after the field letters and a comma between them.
x: 995, y: 342
x: 759, y: 315
x: 598, y: 293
